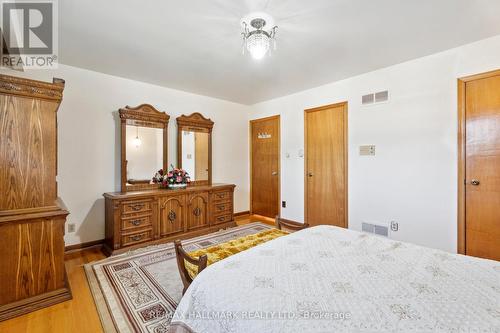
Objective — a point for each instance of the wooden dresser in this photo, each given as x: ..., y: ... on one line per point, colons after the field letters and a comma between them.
x: 32, y: 217
x: 140, y: 218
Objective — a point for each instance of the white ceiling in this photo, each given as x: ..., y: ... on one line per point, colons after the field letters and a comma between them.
x: 196, y: 45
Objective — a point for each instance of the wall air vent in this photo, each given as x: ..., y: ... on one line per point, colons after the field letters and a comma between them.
x: 368, y: 99
x: 374, y: 98
x: 382, y: 96
x: 375, y: 229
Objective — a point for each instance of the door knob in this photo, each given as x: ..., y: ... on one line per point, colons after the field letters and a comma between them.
x: 310, y: 174
x: 475, y: 182
x: 275, y: 173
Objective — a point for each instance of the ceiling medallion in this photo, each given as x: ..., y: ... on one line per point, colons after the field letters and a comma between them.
x: 258, y: 33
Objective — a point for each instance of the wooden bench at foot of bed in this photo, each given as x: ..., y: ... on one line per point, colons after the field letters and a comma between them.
x: 192, y: 263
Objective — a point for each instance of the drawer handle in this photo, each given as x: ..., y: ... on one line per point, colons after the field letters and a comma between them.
x: 221, y: 207
x: 222, y: 218
x: 136, y: 222
x: 221, y: 195
x: 172, y: 216
x: 136, y: 207
x: 136, y: 237
x: 197, y: 211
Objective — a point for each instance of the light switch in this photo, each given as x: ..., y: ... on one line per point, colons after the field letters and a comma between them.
x: 368, y: 150
x: 301, y: 152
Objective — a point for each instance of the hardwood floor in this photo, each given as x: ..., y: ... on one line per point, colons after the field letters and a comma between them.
x: 79, y: 314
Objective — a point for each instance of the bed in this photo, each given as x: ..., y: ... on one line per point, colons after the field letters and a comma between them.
x: 329, y: 279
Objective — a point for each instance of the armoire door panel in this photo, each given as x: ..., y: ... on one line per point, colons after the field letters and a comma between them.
x: 172, y: 215
x: 28, y: 132
x: 197, y: 211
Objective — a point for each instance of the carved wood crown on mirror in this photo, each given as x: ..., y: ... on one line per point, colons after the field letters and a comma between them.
x: 143, y: 115
x: 195, y: 120
x: 32, y: 217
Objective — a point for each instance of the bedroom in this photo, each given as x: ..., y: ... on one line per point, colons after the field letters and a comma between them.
x: 391, y: 80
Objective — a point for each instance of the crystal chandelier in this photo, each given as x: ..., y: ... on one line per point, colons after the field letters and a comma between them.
x: 256, y: 38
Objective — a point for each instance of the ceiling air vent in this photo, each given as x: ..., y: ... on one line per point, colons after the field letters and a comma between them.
x: 379, y: 97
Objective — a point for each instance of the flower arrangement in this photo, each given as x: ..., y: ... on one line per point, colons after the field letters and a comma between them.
x: 176, y: 178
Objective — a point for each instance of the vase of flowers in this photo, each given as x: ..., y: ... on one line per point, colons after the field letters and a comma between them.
x: 176, y: 178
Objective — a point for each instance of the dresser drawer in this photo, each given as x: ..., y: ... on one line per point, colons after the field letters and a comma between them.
x: 129, y: 207
x: 141, y: 218
x: 222, y: 196
x: 223, y: 218
x: 222, y: 208
x: 138, y: 222
x: 136, y: 237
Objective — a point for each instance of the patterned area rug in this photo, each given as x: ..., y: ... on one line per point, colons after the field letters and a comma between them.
x: 139, y: 291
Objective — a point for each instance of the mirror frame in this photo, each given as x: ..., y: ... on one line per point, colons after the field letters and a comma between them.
x: 144, y: 115
x: 195, y: 122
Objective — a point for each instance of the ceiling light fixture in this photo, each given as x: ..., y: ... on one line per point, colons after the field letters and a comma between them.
x: 256, y: 37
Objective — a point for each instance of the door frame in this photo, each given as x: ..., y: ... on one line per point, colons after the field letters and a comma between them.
x: 345, y: 105
x: 461, y: 222
x: 251, y: 158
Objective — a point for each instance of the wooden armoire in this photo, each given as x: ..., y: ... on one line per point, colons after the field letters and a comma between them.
x: 32, y: 217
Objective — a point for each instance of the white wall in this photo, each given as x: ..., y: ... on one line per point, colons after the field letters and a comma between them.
x: 413, y: 177
x: 89, y: 142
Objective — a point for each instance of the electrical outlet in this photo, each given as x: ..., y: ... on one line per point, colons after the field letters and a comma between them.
x: 394, y: 226
x: 283, y: 204
x: 71, y: 227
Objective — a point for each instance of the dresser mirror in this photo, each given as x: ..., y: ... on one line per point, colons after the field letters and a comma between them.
x: 143, y: 146
x: 194, y: 147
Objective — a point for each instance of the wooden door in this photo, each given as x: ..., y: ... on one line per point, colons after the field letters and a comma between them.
x: 172, y: 215
x: 265, y: 166
x: 326, y: 165
x: 482, y: 166
x: 197, y: 211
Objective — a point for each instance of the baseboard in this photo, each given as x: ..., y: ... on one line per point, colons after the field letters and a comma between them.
x: 240, y: 214
x: 37, y: 302
x: 81, y: 246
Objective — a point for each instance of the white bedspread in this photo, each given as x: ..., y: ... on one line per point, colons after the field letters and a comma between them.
x: 328, y: 279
